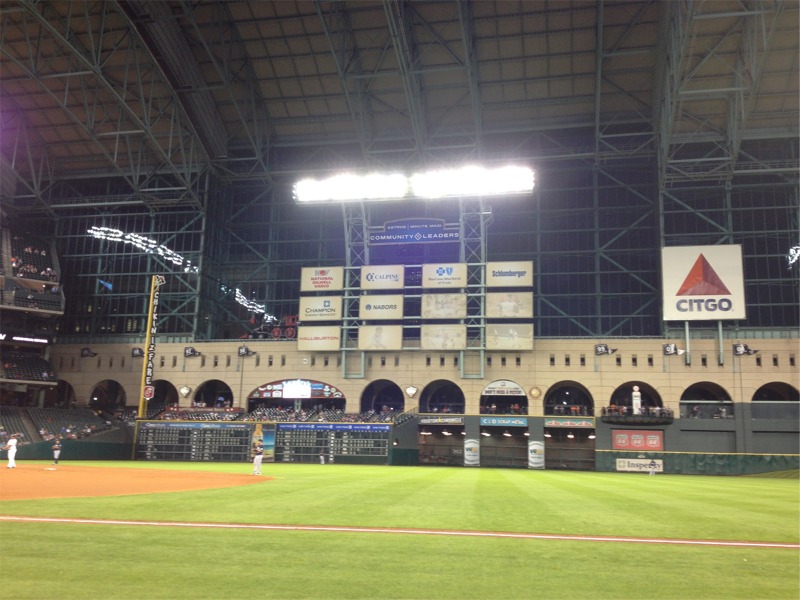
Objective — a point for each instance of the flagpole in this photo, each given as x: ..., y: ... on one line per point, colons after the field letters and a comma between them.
x: 146, y: 390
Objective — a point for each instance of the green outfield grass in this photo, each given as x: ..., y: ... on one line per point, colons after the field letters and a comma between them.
x: 63, y: 560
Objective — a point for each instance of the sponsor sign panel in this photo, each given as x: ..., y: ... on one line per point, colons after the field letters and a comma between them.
x: 472, y: 453
x: 513, y: 305
x: 702, y: 283
x: 443, y: 337
x: 449, y: 275
x: 297, y: 388
x: 414, y: 231
x: 441, y: 420
x: 321, y: 308
x: 380, y: 337
x: 503, y: 387
x: 509, y: 274
x: 504, y: 421
x: 640, y: 465
x: 328, y: 337
x: 573, y: 423
x: 536, y: 455
x: 321, y: 279
x: 385, y: 277
x: 509, y: 336
x: 374, y: 307
x: 444, y: 306
x: 636, y: 439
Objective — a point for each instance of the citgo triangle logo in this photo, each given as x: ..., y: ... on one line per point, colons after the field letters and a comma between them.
x: 702, y: 280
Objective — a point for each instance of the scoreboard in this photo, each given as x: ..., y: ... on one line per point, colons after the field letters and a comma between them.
x: 194, y: 441
x: 351, y: 443
x: 230, y: 441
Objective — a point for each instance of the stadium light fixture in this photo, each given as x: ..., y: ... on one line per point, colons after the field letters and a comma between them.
x: 466, y: 181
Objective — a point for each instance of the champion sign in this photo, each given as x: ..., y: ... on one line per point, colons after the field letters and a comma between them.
x: 703, y: 282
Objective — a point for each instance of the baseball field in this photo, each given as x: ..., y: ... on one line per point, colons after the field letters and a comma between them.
x: 132, y: 530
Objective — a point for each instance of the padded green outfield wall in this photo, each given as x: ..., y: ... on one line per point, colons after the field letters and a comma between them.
x: 74, y: 450
x: 689, y: 463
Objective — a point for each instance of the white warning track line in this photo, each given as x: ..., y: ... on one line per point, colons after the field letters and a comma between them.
x: 489, y: 534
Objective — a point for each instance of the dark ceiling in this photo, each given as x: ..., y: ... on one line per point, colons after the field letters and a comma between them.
x: 152, y: 94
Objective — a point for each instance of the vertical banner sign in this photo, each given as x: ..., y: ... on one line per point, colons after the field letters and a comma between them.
x: 148, y: 390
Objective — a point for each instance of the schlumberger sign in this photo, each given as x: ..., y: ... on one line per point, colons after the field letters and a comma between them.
x: 414, y: 231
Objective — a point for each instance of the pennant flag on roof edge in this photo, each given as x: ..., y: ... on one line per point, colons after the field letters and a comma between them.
x: 603, y: 349
x: 742, y: 350
x: 673, y: 350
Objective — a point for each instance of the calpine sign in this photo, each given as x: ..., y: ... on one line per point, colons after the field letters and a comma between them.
x: 703, y: 283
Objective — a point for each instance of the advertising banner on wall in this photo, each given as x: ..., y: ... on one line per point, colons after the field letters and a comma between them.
x: 443, y: 337
x: 321, y: 279
x: 513, y: 305
x: 374, y: 307
x: 635, y: 439
x: 509, y: 336
x: 535, y: 455
x: 326, y: 337
x: 702, y: 283
x: 503, y: 387
x: 380, y: 337
x: 414, y: 231
x: 640, y: 465
x: 472, y: 453
x: 320, y: 308
x: 444, y: 306
x: 509, y: 274
x: 450, y: 275
x: 383, y: 277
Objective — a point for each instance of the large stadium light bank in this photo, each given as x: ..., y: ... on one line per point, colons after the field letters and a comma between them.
x: 471, y: 181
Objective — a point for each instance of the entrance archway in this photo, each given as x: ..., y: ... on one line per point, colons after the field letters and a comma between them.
x: 213, y: 394
x: 503, y: 397
x: 383, y: 398
x: 569, y: 432
x: 706, y: 400
x: 442, y: 396
x: 108, y: 396
x: 568, y: 398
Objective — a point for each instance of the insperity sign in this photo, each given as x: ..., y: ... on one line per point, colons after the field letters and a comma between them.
x: 702, y: 283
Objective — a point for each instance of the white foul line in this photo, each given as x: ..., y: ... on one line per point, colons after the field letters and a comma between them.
x: 492, y: 534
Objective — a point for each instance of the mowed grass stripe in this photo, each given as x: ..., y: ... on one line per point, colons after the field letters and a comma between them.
x: 605, y: 504
x: 151, y: 563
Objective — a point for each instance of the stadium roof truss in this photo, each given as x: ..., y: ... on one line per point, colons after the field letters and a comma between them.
x: 649, y: 123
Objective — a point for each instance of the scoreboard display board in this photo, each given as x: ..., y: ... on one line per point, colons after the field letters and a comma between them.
x: 350, y: 443
x: 194, y: 441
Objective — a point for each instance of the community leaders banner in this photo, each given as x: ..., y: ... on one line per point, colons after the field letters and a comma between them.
x: 510, y: 306
x: 380, y: 337
x: 374, y: 307
x: 321, y: 308
x: 509, y: 336
x: 384, y: 277
x: 451, y: 275
x: 321, y: 279
x: 444, y: 306
x: 443, y: 337
x: 328, y: 337
x: 703, y: 283
x: 509, y: 274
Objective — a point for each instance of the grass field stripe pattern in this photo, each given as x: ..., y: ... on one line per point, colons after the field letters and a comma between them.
x: 339, y: 529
